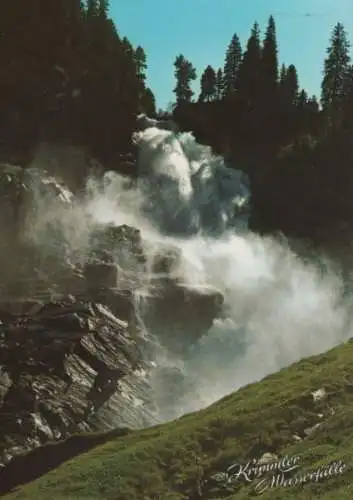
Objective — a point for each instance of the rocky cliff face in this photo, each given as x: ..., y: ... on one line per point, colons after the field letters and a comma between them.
x: 71, y: 365
x: 77, y: 348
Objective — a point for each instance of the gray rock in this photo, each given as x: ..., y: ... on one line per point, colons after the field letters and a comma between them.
x: 77, y: 368
x: 267, y: 458
x: 319, y: 394
x: 74, y: 353
x: 180, y: 314
x: 100, y: 275
x: 310, y: 430
x: 166, y: 260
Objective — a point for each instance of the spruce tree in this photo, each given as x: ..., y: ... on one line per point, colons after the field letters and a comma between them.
x: 185, y: 73
x: 269, y: 63
x: 289, y: 86
x: 336, y: 68
x: 208, y: 85
x: 231, y: 65
x: 141, y: 63
x: 302, y: 98
x: 248, y: 81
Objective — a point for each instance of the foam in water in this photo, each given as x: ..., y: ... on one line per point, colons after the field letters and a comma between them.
x: 277, y: 308
x: 186, y: 189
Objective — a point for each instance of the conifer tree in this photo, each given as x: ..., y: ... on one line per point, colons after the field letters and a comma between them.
x: 185, y: 73
x: 289, y: 86
x: 336, y: 68
x: 141, y: 63
x: 269, y: 63
x: 302, y: 98
x: 208, y: 84
x: 231, y: 65
x: 249, y: 72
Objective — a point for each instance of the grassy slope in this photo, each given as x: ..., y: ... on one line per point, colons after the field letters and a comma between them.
x: 166, y: 462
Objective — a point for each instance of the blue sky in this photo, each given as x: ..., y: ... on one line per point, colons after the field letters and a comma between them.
x: 202, y: 29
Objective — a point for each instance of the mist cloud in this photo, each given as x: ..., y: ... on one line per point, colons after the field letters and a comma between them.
x: 277, y: 308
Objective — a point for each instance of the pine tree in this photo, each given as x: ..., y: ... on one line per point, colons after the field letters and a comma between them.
x: 208, y: 85
x: 289, y: 86
x: 269, y: 63
x: 231, y: 65
x: 302, y: 98
x: 141, y: 63
x: 185, y: 73
x: 249, y: 72
x: 336, y: 68
x: 219, y: 84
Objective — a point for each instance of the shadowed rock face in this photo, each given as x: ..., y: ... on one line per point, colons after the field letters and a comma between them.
x: 166, y: 260
x: 177, y: 313
x: 65, y: 367
x: 74, y: 354
x: 180, y: 314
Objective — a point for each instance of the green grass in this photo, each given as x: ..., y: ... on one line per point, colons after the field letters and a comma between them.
x: 168, y: 462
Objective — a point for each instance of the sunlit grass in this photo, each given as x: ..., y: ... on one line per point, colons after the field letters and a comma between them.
x: 172, y: 461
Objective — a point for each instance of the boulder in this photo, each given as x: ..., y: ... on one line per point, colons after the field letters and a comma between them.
x: 100, y: 275
x: 124, y: 243
x: 166, y: 260
x: 179, y: 314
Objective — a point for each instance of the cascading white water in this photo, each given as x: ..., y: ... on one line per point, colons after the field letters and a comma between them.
x: 187, y: 190
x: 277, y: 308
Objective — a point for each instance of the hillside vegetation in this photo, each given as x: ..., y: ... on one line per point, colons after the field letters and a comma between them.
x: 175, y: 461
